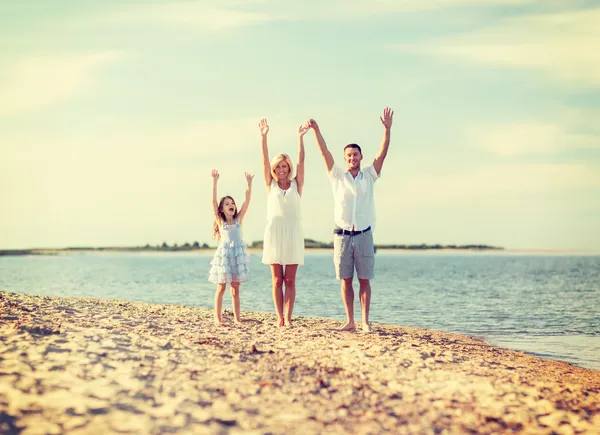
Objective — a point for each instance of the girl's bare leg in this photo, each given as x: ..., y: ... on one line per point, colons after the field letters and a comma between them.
x: 219, y: 303
x: 235, y: 300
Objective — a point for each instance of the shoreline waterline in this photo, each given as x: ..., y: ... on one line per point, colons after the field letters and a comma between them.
x: 538, y: 304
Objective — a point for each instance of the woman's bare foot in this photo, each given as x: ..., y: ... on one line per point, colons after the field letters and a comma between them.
x: 366, y: 327
x: 238, y: 322
x: 288, y: 323
x: 279, y: 323
x: 350, y: 326
x: 219, y: 322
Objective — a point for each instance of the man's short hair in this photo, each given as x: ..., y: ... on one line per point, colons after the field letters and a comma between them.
x: 353, y: 145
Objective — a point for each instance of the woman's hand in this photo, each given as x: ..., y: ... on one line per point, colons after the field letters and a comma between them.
x: 303, y: 129
x: 264, y: 126
x: 215, y: 174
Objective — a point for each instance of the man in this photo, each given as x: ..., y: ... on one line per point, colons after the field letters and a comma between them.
x: 354, y: 217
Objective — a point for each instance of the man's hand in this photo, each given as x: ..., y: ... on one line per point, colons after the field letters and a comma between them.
x: 264, y: 127
x: 313, y: 124
x: 387, y: 117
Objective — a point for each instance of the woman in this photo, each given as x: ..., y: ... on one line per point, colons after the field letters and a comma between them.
x: 283, y: 244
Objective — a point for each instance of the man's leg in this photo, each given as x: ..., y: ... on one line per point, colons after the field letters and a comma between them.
x: 365, y: 303
x: 348, y: 298
x: 343, y: 259
x: 364, y: 258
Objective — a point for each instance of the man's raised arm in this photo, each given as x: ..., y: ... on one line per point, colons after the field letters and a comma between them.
x: 386, y: 120
x: 322, y: 145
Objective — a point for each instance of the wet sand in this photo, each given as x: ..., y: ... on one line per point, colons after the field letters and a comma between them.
x: 87, y: 366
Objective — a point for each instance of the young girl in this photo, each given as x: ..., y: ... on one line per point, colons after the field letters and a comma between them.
x: 230, y: 262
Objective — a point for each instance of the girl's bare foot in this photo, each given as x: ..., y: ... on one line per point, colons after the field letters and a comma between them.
x: 279, y: 323
x: 366, y: 327
x: 288, y: 323
x: 350, y: 326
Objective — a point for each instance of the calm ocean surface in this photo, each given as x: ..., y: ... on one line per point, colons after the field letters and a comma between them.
x: 546, y: 305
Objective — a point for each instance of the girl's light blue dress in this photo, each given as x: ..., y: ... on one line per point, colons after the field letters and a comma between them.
x: 230, y: 262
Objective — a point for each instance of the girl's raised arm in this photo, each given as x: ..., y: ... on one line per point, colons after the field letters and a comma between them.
x: 215, y: 204
x: 264, y: 130
x: 246, y: 204
x: 300, y: 166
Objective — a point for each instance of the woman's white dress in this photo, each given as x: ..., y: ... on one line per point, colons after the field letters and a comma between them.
x: 284, y: 241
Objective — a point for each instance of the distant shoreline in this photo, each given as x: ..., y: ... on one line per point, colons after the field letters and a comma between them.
x: 310, y: 245
x: 419, y: 249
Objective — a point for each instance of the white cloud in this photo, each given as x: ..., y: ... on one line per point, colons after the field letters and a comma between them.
x: 142, y: 178
x: 585, y: 119
x: 562, y: 45
x: 133, y: 151
x: 529, y: 138
x: 139, y: 184
x: 373, y: 7
x: 494, y: 183
x: 211, y: 15
x: 224, y: 14
x: 38, y: 82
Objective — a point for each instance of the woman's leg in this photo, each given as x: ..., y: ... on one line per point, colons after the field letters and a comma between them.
x: 290, y: 291
x: 277, y: 278
x: 219, y: 302
x: 235, y: 300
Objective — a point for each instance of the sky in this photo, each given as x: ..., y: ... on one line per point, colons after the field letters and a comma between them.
x: 113, y: 113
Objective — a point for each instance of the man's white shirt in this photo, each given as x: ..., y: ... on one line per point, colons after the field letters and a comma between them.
x: 354, y: 202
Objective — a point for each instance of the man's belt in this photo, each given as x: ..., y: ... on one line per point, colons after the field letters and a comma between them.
x: 350, y: 233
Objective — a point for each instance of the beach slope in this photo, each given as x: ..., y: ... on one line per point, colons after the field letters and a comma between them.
x: 80, y: 366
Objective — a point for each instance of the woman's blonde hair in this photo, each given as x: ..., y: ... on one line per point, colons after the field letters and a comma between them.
x: 282, y: 158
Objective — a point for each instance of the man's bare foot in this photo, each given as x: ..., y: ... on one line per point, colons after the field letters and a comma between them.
x: 350, y: 326
x: 366, y: 327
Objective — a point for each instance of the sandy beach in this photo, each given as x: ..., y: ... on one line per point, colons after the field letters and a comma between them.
x: 87, y: 366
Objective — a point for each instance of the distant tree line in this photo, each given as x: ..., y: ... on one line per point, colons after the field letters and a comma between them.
x: 176, y: 247
x: 310, y: 243
x: 437, y: 246
x: 162, y: 247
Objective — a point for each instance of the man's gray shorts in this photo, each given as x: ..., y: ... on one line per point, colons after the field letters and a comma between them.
x: 354, y: 251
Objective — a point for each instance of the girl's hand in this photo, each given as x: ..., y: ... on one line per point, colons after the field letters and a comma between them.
x: 249, y: 178
x: 215, y: 174
x: 303, y: 129
x: 264, y: 127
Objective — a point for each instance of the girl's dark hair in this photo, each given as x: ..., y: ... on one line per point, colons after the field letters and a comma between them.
x: 221, y: 215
